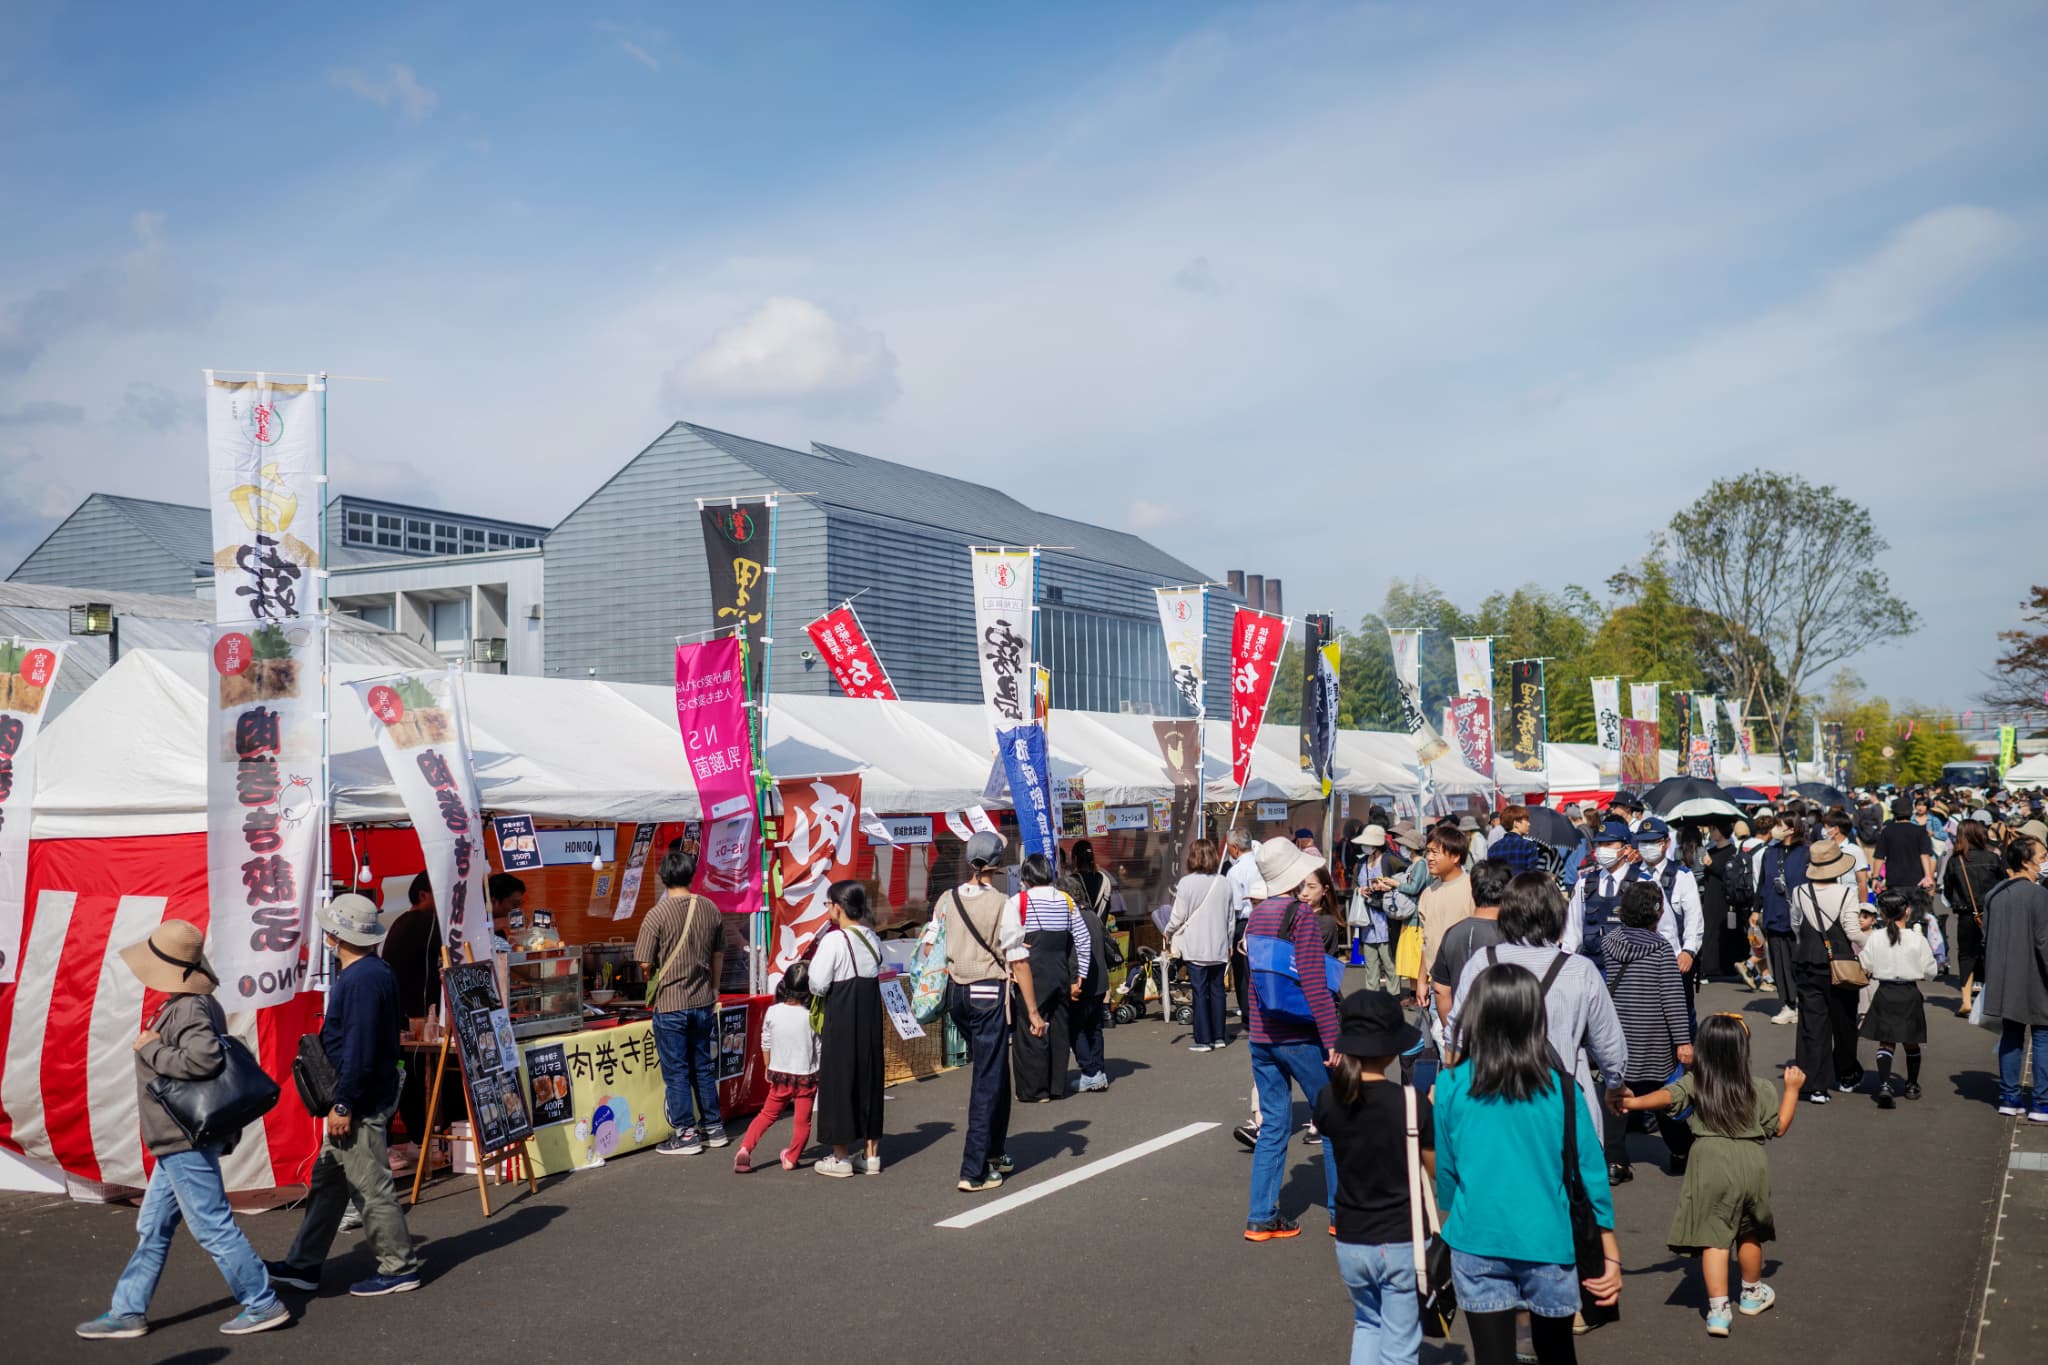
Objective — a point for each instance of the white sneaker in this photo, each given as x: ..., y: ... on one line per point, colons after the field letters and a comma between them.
x: 833, y: 1166
x: 1785, y: 1016
x: 1200, y: 1047
x: 868, y: 1165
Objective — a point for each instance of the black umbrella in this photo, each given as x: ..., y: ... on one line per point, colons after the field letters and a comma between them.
x: 1823, y: 793
x: 1748, y: 796
x: 1689, y: 798
x: 1547, y: 826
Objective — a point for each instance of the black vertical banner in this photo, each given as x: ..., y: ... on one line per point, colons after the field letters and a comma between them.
x: 1684, y: 733
x: 1315, y: 630
x: 1525, y: 714
x: 736, y: 550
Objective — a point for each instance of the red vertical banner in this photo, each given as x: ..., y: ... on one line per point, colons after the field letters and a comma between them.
x: 1256, y: 640
x: 820, y: 816
x: 1472, y: 723
x: 711, y: 709
x: 850, y: 655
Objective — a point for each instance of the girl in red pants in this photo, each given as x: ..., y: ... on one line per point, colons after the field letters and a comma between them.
x: 791, y: 1049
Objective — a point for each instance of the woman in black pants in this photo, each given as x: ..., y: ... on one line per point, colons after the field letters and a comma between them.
x: 1824, y: 907
x: 1780, y: 871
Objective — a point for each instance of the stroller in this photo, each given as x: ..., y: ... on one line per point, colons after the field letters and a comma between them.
x: 1151, y: 976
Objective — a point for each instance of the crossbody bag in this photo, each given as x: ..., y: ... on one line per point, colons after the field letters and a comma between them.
x: 1843, y: 968
x: 689, y: 923
x: 1433, y: 1284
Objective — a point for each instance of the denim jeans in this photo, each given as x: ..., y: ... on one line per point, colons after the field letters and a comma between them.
x: 188, y: 1185
x: 1209, y: 998
x: 687, y: 1042
x: 2012, y: 1041
x: 1497, y: 1284
x: 1386, y: 1316
x: 978, y: 1014
x: 1274, y: 1066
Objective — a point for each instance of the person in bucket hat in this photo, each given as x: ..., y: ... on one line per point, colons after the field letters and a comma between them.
x: 360, y: 1036
x: 182, y: 1042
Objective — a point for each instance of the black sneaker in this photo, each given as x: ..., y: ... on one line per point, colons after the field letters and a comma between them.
x: 1884, y: 1097
x: 1618, y: 1174
x: 1271, y: 1230
x: 1678, y: 1164
x: 1817, y: 1097
x: 1247, y: 1136
x: 284, y: 1273
x: 1912, y: 1091
x: 1311, y: 1137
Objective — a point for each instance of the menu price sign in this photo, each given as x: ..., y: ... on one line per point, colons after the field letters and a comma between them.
x: 482, y: 1032
x: 732, y: 1042
x: 547, y: 1077
x: 518, y: 846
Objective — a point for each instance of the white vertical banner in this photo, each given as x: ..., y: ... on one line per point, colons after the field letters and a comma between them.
x: 1407, y: 645
x: 263, y: 470
x: 28, y: 670
x: 1003, y: 589
x: 1710, y: 720
x: 417, y: 718
x: 1643, y: 701
x: 1607, y: 723
x: 1475, y: 667
x: 1734, y: 709
x: 1183, y: 616
x: 263, y: 805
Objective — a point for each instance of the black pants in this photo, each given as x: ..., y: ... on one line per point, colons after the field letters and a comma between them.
x: 1493, y: 1339
x: 1827, y: 1028
x: 1208, y: 980
x: 1241, y: 983
x: 1676, y: 1133
x: 1041, y: 1062
x: 978, y: 1014
x: 412, y: 1098
x: 1084, y: 1027
x: 1778, y: 946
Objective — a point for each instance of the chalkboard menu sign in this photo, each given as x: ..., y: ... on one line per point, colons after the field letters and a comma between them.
x: 547, y: 1073
x: 490, y: 1055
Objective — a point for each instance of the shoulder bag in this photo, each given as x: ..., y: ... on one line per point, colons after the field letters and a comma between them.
x: 689, y: 923
x: 212, y: 1112
x: 1843, y: 968
x: 1433, y: 1284
x: 313, y: 1075
x: 1589, y: 1248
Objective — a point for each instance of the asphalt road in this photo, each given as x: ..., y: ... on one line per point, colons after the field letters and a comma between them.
x: 1884, y: 1219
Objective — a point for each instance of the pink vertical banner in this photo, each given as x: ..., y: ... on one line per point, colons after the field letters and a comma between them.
x: 711, y: 708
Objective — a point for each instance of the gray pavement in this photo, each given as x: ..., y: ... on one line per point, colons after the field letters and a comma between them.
x: 1884, y: 1217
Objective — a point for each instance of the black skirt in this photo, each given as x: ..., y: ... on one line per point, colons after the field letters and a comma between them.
x: 850, y: 1064
x: 1897, y: 1014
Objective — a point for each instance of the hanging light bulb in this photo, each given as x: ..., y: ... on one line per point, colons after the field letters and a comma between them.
x: 597, y: 862
x: 363, y: 875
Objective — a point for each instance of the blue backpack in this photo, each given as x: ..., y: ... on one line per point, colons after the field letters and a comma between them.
x: 1276, y: 976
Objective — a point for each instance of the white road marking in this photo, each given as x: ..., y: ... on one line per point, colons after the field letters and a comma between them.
x: 1074, y: 1177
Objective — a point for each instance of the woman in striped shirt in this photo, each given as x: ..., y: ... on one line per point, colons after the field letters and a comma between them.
x: 1650, y: 999
x: 1060, y: 945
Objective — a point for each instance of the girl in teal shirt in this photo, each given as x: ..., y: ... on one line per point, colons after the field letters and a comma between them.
x: 1500, y: 1176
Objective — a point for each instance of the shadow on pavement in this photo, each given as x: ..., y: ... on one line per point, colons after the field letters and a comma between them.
x: 1064, y: 1139
x: 1980, y: 1086
x: 1117, y: 1068
x: 900, y: 1147
x: 206, y: 1356
x: 441, y: 1254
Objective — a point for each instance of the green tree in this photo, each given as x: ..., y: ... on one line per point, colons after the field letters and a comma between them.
x: 1788, y: 572
x: 2020, y: 677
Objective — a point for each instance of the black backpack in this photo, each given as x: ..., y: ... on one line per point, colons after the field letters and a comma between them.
x: 1737, y: 882
x: 1868, y: 823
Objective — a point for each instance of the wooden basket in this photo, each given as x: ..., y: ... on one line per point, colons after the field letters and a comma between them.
x: 915, y: 1059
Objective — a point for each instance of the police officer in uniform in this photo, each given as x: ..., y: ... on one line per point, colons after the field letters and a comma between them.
x: 1596, y: 901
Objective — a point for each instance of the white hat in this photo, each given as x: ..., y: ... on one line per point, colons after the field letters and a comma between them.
x: 1282, y: 865
x: 1372, y: 836
x: 353, y: 920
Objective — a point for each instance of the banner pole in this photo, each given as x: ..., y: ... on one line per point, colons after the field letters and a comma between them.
x: 325, y: 885
x: 1202, y: 725
x: 1286, y: 625
x: 763, y: 934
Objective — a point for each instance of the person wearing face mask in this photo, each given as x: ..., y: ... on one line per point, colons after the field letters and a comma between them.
x: 1781, y: 870
x: 1595, y: 910
x: 1683, y: 923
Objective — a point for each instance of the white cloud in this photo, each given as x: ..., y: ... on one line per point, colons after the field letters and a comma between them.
x: 137, y: 291
x: 791, y: 353
x: 400, y: 90
x: 42, y: 413
x: 634, y: 43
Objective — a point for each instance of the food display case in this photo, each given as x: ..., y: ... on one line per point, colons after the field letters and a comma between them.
x: 545, y: 992
x: 611, y: 975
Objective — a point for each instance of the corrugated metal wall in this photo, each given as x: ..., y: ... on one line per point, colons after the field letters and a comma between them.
x: 626, y: 573
x: 98, y: 547
x: 919, y: 607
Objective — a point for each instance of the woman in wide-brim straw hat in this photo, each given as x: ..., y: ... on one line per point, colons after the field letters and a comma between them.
x: 182, y: 1042
x: 1822, y: 908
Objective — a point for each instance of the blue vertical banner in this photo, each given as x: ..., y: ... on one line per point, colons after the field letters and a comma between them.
x: 1024, y: 761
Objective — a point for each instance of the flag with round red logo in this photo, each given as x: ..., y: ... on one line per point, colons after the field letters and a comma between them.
x: 1005, y: 588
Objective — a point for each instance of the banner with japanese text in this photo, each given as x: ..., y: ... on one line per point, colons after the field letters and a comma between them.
x: 1710, y: 721
x: 1004, y: 585
x: 263, y: 473
x: 850, y: 655
x: 819, y: 818
x: 1475, y: 667
x: 711, y: 710
x: 1525, y: 715
x: 2008, y: 748
x: 263, y: 806
x: 1030, y: 774
x: 1643, y: 701
x: 1407, y: 645
x: 1319, y: 700
x: 1184, y: 618
x: 28, y: 670
x: 1639, y: 763
x: 738, y: 550
x: 1471, y: 721
x: 1702, y: 764
x: 418, y: 721
x: 1682, y: 703
x: 1256, y: 641
x: 1607, y: 725
x: 1745, y: 747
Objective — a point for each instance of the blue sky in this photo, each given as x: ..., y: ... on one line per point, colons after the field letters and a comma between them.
x: 1328, y: 292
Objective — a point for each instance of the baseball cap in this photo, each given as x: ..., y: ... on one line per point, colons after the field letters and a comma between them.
x: 984, y: 848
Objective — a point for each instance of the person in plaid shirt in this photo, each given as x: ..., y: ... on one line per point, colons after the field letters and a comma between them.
x: 1514, y: 847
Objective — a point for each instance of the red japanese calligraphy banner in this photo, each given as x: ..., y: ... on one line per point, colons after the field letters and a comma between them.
x: 264, y: 465
x: 850, y: 655
x: 1639, y: 740
x: 417, y: 718
x: 263, y: 806
x: 1472, y: 725
x: 1256, y: 639
x: 27, y: 669
x: 819, y: 817
x: 711, y: 710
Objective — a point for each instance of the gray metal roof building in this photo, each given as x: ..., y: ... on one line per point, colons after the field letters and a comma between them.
x: 626, y: 574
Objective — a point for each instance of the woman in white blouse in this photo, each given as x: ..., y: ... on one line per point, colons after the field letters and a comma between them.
x: 844, y: 974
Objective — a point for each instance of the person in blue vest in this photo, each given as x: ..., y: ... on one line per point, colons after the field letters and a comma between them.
x: 1595, y: 910
x: 1683, y: 925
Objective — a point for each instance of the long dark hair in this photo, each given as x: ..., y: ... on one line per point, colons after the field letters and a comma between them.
x: 1507, y: 1034
x: 1531, y: 910
x: 1326, y: 904
x: 1345, y: 1080
x: 795, y: 986
x: 1721, y: 1084
x: 1894, y: 905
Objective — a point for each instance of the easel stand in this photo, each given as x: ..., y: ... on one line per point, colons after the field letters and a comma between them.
x: 510, y: 1160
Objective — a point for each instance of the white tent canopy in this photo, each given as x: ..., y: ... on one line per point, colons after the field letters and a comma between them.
x: 2031, y: 772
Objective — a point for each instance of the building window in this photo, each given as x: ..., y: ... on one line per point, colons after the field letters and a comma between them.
x: 376, y: 616
x: 1101, y: 662
x: 500, y: 541
x: 385, y: 523
x: 358, y: 535
x: 356, y: 518
x: 524, y: 542
x: 417, y: 528
x: 419, y: 544
x: 389, y: 540
x: 471, y: 533
x: 450, y: 624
